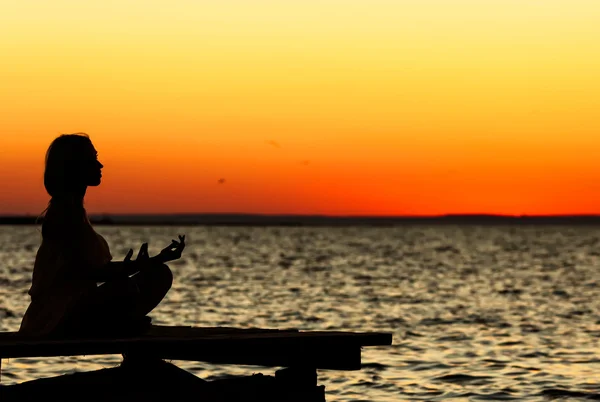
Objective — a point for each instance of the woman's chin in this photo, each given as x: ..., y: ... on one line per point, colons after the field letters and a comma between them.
x: 96, y: 182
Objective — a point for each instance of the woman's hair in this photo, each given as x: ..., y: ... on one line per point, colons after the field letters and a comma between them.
x: 64, y: 183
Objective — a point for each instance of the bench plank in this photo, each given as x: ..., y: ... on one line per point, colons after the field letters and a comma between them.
x: 255, y: 346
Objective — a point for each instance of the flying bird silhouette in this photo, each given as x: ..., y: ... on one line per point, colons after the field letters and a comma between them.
x: 221, y: 181
x: 273, y: 143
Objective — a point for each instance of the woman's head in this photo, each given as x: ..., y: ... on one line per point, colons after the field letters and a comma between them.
x: 71, y: 166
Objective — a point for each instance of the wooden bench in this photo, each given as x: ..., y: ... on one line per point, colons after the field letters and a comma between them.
x: 306, y: 350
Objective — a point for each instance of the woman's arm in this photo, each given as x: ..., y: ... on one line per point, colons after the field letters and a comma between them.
x: 121, y: 269
x: 114, y: 270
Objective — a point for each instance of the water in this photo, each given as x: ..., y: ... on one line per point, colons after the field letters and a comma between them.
x: 477, y: 313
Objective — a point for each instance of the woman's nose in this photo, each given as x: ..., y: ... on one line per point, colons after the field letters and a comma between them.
x: 100, y: 165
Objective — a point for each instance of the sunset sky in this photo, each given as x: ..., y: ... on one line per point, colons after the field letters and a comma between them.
x: 342, y: 107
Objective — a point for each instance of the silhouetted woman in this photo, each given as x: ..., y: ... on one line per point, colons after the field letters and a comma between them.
x: 73, y: 259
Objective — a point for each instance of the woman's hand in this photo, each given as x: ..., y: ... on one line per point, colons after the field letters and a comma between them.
x: 142, y: 253
x: 172, y: 251
x: 130, y: 267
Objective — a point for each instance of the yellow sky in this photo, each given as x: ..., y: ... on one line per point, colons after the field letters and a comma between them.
x: 427, y: 106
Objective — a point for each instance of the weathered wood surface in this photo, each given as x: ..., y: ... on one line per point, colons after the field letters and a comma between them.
x: 263, y: 347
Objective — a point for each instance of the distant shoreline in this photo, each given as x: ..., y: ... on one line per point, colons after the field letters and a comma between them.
x: 316, y: 220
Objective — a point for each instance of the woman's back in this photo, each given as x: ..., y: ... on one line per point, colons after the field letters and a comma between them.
x: 59, y: 279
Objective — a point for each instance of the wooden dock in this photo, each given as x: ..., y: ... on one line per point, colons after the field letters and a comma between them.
x: 301, y: 352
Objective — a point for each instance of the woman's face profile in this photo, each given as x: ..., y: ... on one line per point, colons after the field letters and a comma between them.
x: 93, y: 167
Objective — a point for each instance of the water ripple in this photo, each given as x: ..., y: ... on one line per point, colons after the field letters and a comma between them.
x: 478, y: 313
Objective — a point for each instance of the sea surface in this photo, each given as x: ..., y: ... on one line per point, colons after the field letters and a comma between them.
x: 478, y: 313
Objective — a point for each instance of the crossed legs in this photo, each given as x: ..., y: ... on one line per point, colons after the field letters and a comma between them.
x: 122, y: 303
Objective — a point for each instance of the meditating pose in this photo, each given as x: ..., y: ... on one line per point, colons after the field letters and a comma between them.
x: 76, y: 289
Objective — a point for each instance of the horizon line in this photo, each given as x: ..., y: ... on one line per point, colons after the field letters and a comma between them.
x: 263, y: 220
x: 328, y: 216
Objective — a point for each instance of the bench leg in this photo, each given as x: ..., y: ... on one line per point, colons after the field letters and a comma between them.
x: 301, y: 383
x: 297, y: 376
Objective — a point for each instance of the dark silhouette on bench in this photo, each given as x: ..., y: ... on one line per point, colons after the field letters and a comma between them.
x: 73, y: 259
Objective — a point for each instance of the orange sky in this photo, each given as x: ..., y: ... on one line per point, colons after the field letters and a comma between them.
x: 375, y: 107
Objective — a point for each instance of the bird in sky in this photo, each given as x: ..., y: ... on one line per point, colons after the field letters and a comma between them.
x: 273, y: 143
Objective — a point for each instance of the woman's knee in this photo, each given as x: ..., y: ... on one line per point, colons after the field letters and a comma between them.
x: 163, y: 274
x: 156, y: 278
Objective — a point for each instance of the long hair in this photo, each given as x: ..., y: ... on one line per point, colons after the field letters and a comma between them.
x: 64, y: 184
